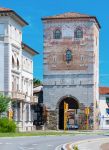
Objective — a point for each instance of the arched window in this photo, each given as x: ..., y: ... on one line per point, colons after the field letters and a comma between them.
x: 13, y: 62
x: 78, y: 33
x: 57, y: 34
x: 68, y: 56
x: 17, y: 64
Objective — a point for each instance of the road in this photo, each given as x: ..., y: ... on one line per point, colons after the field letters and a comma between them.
x: 41, y: 142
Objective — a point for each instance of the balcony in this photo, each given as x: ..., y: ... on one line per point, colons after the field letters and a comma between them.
x: 18, y: 96
x: 34, y: 99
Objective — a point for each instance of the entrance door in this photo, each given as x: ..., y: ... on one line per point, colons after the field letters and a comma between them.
x: 72, y: 109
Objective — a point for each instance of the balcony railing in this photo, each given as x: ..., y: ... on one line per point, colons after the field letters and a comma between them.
x: 15, y: 95
x: 18, y: 96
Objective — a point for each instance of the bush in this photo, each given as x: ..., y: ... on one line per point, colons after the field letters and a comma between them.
x: 7, y: 125
x: 75, y: 147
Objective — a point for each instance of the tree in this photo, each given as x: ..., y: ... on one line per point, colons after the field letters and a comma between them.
x: 4, y: 102
x: 36, y: 82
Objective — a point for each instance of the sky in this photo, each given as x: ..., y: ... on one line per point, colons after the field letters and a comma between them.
x: 33, y: 10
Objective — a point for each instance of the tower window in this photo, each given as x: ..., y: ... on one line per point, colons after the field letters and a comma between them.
x: 78, y: 33
x: 68, y: 56
x: 57, y: 34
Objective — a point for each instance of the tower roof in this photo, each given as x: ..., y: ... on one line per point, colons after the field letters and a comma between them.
x: 71, y: 15
x: 66, y: 15
x: 13, y: 14
x: 103, y: 90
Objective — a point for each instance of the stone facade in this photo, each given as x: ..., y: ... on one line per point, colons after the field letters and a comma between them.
x: 78, y: 78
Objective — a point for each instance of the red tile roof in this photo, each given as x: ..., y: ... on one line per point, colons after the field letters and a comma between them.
x: 4, y: 9
x: 67, y: 15
x: 103, y: 90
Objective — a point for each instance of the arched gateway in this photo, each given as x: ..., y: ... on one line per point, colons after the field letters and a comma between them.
x: 73, y: 106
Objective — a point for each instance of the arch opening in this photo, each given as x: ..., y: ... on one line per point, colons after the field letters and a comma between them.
x: 73, y: 106
x: 17, y: 64
x: 13, y: 62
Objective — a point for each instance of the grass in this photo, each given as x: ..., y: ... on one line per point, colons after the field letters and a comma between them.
x: 36, y: 133
x: 47, y: 133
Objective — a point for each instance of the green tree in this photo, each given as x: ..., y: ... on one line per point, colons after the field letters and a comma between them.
x: 4, y: 102
x: 36, y: 82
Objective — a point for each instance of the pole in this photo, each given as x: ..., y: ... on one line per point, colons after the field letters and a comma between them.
x: 87, y: 117
x: 87, y: 122
x: 65, y: 115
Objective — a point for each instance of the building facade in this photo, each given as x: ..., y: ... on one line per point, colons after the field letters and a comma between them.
x: 16, y: 68
x: 71, y: 69
x: 104, y: 107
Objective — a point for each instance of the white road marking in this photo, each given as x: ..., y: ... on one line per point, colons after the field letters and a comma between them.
x: 21, y: 148
x: 50, y: 145
x: 8, y: 143
x: 83, y: 148
x: 34, y: 144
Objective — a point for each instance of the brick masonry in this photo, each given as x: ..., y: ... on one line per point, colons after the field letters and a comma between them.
x: 79, y: 78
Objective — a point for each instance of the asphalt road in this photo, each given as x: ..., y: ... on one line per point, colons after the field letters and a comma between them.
x: 41, y: 142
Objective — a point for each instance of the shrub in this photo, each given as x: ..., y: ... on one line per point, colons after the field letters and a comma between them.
x: 7, y: 125
x: 75, y: 147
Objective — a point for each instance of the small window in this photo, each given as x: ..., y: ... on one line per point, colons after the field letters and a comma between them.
x: 82, y: 58
x: 78, y: 33
x: 68, y: 56
x: 13, y: 62
x: 57, y: 34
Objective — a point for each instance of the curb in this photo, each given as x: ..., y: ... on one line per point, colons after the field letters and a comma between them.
x: 79, y: 142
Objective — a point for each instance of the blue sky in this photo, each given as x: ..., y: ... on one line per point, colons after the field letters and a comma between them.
x: 33, y: 10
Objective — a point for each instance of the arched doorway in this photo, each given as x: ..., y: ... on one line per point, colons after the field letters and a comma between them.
x: 73, y: 105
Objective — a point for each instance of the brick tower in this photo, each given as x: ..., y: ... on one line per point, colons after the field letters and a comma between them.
x: 71, y: 69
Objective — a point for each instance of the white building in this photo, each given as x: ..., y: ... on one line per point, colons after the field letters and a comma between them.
x: 104, y: 107
x: 16, y: 68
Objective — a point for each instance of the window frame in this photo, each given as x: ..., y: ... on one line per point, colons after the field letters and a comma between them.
x: 57, y: 35
x: 68, y: 55
x: 78, y: 33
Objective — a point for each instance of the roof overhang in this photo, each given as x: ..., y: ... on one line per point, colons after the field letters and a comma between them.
x: 29, y: 49
x: 13, y: 15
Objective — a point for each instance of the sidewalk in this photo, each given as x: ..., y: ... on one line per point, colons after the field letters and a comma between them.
x: 105, y: 146
x: 91, y: 144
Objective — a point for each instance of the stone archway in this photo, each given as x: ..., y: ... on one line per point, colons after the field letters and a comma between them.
x: 73, y: 105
